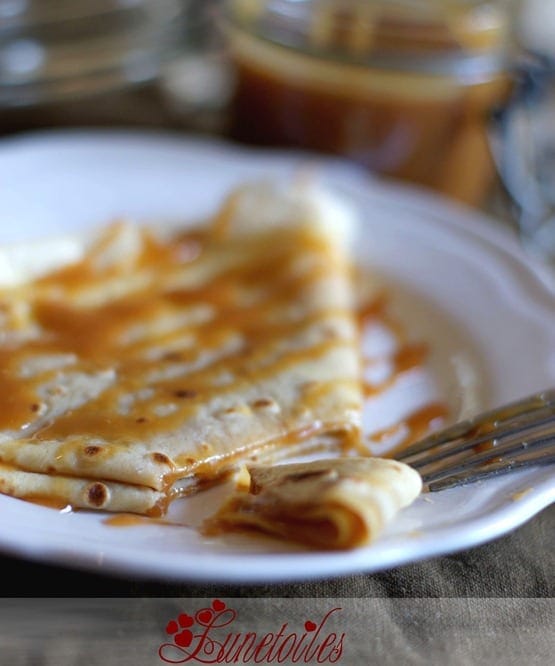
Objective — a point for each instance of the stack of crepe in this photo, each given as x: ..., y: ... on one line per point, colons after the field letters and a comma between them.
x: 141, y: 366
x: 152, y: 366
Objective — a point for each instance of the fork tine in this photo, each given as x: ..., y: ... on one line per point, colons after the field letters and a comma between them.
x: 487, y: 471
x: 522, y: 430
x: 526, y: 409
x: 515, y: 435
x: 505, y: 453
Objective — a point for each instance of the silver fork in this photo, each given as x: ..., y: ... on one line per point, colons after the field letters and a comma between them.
x: 520, y: 434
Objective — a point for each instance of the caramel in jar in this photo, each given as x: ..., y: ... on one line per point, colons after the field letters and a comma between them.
x: 406, y: 96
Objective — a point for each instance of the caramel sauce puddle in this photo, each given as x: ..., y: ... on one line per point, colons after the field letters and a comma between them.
x: 134, y: 520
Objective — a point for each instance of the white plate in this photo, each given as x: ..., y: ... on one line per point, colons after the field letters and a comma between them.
x: 458, y: 281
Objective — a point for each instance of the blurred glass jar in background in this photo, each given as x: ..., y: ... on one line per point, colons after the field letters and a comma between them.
x: 404, y: 87
x: 92, y: 62
x: 55, y: 49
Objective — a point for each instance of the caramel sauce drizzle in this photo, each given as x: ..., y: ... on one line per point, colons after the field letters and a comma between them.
x: 50, y: 502
x: 415, y: 426
x: 18, y: 398
x: 134, y: 520
x: 406, y: 357
x: 377, y: 309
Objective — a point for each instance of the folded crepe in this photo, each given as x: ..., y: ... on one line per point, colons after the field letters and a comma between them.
x: 142, y: 366
x: 332, y: 504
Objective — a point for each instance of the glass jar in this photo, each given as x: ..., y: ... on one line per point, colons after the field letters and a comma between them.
x: 404, y: 87
x: 59, y: 50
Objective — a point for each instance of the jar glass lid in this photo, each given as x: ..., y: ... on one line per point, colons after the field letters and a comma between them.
x: 379, y: 30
